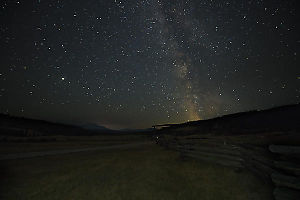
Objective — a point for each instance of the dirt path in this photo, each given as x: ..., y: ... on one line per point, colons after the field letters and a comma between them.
x: 57, y: 152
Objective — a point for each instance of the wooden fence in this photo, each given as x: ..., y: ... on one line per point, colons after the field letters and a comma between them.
x: 274, y: 157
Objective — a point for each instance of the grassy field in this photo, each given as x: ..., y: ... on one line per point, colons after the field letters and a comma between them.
x: 148, y: 172
x: 10, y: 145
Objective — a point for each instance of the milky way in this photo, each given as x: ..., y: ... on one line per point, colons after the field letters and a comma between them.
x: 133, y: 64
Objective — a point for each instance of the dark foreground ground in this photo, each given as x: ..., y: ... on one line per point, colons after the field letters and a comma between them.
x: 137, y: 172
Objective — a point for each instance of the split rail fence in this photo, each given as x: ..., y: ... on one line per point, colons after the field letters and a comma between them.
x: 274, y: 157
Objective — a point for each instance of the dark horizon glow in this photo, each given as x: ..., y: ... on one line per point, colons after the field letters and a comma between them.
x: 133, y: 64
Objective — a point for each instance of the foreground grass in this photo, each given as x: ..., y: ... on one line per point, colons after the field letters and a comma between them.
x: 141, y: 173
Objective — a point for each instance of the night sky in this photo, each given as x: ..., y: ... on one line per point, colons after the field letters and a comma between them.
x: 133, y: 64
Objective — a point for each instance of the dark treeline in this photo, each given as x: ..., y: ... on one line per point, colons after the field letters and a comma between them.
x: 284, y: 118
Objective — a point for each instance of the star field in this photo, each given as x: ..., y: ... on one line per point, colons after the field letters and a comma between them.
x: 133, y: 64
